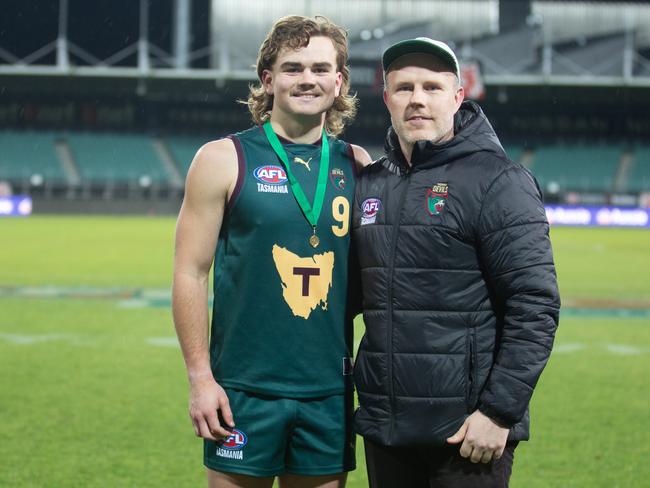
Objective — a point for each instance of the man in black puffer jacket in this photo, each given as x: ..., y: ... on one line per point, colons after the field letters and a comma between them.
x: 460, y: 298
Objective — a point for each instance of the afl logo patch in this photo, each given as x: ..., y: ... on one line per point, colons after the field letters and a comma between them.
x: 370, y: 208
x: 235, y: 441
x: 270, y: 174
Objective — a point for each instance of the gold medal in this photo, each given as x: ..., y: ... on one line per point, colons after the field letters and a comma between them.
x: 309, y: 210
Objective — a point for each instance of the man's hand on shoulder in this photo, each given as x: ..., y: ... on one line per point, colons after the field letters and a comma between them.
x: 361, y: 157
x: 482, y: 439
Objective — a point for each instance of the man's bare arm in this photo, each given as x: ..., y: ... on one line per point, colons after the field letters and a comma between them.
x: 210, y: 181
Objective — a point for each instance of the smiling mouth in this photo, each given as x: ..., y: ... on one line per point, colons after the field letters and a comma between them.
x: 418, y: 118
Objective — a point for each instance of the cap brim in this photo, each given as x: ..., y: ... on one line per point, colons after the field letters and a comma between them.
x: 417, y: 46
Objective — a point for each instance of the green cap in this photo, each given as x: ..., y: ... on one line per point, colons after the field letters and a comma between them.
x: 422, y: 45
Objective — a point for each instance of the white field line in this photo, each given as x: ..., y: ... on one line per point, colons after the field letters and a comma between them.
x: 31, y: 339
x: 172, y: 341
x: 52, y: 291
x: 163, y: 341
x: 625, y: 350
x: 569, y: 347
x: 133, y: 303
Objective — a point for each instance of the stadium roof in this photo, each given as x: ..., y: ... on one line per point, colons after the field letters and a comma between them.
x: 608, y: 47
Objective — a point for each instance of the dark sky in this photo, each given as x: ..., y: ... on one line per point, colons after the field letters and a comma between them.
x: 101, y: 27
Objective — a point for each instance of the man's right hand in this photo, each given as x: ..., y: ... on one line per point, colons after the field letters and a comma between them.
x: 211, y: 179
x: 206, y: 399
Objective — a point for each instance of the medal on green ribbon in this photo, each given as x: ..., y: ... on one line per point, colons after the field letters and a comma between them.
x: 310, y: 211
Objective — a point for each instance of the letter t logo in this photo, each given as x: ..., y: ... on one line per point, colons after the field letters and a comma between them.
x: 306, y: 273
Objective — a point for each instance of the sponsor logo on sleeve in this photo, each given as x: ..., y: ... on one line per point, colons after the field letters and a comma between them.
x: 370, y: 208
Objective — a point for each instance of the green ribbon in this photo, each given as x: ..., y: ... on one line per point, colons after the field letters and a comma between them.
x: 311, y: 212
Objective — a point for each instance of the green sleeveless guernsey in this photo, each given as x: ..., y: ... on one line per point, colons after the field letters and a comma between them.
x: 279, y: 323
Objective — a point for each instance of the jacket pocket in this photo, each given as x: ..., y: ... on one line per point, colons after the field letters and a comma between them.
x: 470, y: 368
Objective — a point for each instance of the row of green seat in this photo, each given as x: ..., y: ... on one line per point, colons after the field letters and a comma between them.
x: 577, y: 167
x: 639, y: 178
x: 582, y: 167
x: 128, y: 157
x: 23, y: 154
x: 96, y: 157
x: 115, y: 157
x: 183, y: 150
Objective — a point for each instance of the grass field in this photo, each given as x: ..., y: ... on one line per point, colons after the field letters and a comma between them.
x: 93, y: 390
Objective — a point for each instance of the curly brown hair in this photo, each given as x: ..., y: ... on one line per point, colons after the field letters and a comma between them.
x: 294, y: 32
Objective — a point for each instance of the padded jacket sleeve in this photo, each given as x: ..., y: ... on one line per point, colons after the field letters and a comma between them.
x: 517, y: 259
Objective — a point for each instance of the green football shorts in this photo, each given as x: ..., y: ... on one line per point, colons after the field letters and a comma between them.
x: 273, y: 436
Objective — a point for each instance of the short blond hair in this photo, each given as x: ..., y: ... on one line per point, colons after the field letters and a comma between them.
x: 294, y: 32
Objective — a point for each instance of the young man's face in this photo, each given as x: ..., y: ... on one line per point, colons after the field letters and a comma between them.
x: 422, y: 96
x: 304, y: 81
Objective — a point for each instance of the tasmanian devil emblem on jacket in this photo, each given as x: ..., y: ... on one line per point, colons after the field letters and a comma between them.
x: 437, y: 198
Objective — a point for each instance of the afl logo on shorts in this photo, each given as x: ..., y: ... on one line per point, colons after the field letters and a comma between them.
x: 370, y: 208
x: 235, y: 441
x: 271, y: 174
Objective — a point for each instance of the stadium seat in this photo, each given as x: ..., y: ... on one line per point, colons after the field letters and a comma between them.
x: 24, y: 154
x: 639, y: 178
x: 578, y: 167
x: 118, y: 158
x: 183, y: 149
x: 514, y: 152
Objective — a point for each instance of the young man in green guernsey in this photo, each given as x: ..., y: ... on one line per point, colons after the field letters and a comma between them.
x: 270, y: 393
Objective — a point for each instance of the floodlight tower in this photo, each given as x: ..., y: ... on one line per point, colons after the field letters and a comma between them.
x: 181, y: 50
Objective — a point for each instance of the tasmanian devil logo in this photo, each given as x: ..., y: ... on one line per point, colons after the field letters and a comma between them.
x: 270, y: 174
x: 436, y: 197
x: 337, y: 177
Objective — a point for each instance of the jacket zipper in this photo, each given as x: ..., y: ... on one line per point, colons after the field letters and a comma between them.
x: 471, y: 371
x: 391, y: 271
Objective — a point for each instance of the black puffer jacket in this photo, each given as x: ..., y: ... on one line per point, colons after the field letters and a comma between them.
x: 460, y: 299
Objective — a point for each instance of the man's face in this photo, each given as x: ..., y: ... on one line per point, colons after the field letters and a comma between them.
x: 304, y: 81
x: 422, y: 96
